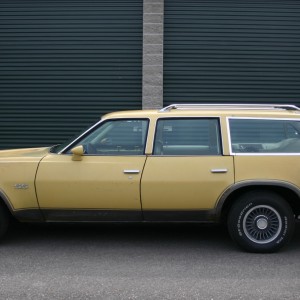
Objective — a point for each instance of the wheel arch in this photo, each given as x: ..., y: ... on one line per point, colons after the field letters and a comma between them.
x: 4, y: 201
x: 288, y: 191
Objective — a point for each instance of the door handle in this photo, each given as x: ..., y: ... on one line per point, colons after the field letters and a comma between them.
x: 131, y: 171
x: 219, y: 170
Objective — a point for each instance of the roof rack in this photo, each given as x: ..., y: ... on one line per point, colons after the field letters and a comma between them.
x: 230, y: 106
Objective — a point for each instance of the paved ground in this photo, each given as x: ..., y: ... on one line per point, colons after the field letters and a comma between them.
x: 141, y: 262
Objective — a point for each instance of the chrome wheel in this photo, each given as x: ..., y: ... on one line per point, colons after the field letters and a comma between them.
x: 262, y: 224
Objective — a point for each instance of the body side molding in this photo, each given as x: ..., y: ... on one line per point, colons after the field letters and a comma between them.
x: 28, y: 214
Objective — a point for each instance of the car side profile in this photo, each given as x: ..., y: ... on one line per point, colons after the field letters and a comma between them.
x: 233, y: 164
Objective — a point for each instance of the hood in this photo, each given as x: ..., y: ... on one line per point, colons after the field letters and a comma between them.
x: 29, y: 152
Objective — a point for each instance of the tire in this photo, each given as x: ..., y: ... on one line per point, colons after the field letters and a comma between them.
x: 261, y: 221
x: 4, y: 220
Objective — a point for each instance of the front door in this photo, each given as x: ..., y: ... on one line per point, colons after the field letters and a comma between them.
x: 105, y: 184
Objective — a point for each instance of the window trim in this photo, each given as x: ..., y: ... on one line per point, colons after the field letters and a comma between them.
x: 97, y: 125
x: 253, y: 153
x: 220, y: 133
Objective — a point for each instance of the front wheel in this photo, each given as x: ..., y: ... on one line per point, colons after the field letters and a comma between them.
x: 261, y: 221
x: 4, y: 220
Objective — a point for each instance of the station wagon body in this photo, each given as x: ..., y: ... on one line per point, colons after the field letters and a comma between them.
x: 230, y: 164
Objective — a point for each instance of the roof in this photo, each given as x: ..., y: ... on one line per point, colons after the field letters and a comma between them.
x: 243, y: 110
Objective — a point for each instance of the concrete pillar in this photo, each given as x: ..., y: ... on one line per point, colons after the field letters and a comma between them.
x: 153, y: 37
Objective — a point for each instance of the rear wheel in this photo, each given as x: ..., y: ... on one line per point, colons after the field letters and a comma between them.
x: 261, y: 221
x: 4, y: 220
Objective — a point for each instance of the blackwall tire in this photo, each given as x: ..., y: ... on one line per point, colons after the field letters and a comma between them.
x: 261, y: 221
x: 4, y: 220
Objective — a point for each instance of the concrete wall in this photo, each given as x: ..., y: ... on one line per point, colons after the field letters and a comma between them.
x: 153, y: 37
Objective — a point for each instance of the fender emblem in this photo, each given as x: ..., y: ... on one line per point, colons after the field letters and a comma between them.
x: 21, y: 186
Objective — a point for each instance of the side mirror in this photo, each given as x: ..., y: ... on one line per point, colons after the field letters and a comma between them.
x: 77, y: 153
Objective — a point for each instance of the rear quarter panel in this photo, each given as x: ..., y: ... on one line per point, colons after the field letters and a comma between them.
x: 284, y: 168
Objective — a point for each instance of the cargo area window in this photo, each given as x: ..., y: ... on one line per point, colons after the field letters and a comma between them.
x: 264, y: 136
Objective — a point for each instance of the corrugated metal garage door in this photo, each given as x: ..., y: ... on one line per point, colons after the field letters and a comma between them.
x: 64, y: 63
x: 232, y: 51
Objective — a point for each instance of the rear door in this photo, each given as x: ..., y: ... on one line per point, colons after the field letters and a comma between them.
x: 187, y: 172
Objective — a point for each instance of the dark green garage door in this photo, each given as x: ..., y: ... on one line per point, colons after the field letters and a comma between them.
x: 63, y: 64
x: 232, y: 51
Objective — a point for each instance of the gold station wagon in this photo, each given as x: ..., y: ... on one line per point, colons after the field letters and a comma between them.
x: 236, y: 164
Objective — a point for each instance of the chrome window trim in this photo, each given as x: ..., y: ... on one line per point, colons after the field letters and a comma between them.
x: 84, y: 133
x: 258, y: 154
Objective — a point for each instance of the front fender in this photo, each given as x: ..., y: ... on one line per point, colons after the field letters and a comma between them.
x: 17, y: 179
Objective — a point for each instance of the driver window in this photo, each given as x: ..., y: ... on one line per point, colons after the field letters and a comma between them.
x: 117, y: 137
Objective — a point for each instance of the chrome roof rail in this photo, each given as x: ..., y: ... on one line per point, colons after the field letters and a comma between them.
x: 203, y: 106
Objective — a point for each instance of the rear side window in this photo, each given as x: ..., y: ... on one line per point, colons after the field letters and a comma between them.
x: 187, y: 137
x: 264, y: 136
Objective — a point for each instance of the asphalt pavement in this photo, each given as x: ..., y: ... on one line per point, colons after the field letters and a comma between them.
x: 141, y: 261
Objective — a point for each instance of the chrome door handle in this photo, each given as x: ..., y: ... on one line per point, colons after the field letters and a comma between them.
x: 131, y: 171
x: 219, y: 170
